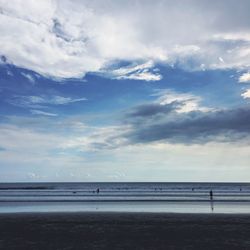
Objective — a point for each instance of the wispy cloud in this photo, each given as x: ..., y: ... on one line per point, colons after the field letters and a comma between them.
x: 99, y: 139
x: 40, y: 112
x: 53, y: 100
x: 25, y: 139
x: 33, y: 154
x: 29, y: 77
x: 43, y: 101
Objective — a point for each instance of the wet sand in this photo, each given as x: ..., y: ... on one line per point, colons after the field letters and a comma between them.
x: 124, y: 231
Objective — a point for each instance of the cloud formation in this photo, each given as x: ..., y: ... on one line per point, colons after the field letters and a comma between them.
x: 173, y: 118
x: 42, y: 101
x: 155, y: 122
x: 29, y: 77
x: 187, y: 101
x: 72, y: 38
x: 144, y: 71
x: 40, y: 112
x: 246, y: 94
x: 153, y: 109
x: 224, y: 125
x: 54, y: 100
x: 170, y: 122
x: 245, y: 78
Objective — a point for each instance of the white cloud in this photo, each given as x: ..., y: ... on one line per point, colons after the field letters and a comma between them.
x: 99, y: 138
x: 245, y: 78
x: 42, y: 101
x: 39, y: 112
x: 135, y: 72
x: 65, y: 39
x: 144, y: 75
x: 54, y: 100
x: 246, y: 94
x: 29, y: 77
x: 190, y: 102
x: 221, y: 59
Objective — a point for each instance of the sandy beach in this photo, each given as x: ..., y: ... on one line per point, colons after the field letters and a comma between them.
x: 124, y: 231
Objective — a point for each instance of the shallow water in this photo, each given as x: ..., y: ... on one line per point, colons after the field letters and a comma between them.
x: 157, y: 207
x: 125, y: 197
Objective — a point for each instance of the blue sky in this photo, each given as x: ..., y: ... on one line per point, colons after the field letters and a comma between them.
x: 126, y: 91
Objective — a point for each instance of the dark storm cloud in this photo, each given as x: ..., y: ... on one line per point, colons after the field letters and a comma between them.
x: 192, y: 127
x: 149, y: 110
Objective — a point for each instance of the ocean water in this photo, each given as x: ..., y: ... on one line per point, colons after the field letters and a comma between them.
x: 125, y: 197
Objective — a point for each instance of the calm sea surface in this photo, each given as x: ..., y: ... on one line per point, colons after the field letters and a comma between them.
x: 125, y: 197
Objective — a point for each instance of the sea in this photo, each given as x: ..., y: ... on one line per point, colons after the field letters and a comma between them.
x: 125, y: 197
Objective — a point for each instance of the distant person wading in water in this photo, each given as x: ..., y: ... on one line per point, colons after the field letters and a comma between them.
x: 211, y: 200
x: 211, y: 195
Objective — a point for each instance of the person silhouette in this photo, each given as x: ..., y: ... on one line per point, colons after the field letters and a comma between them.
x: 211, y: 195
x: 98, y: 190
x: 211, y: 200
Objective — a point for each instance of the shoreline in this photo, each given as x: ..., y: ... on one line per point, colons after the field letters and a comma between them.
x: 121, y: 213
x: 130, y: 230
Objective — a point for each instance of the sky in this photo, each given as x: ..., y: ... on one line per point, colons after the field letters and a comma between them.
x: 118, y: 90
